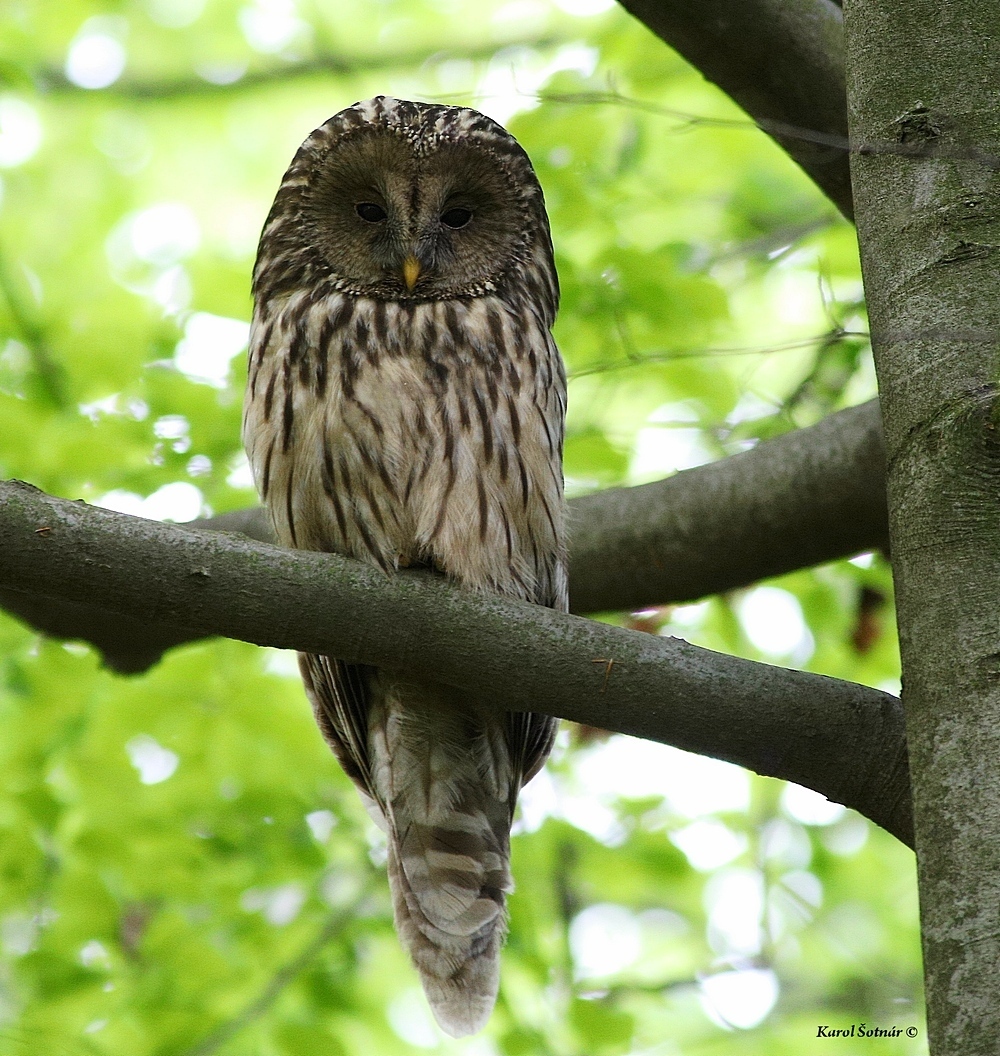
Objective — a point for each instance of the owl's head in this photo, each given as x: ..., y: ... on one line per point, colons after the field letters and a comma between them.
x: 406, y: 201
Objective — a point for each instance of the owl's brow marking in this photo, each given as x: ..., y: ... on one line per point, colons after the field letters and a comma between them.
x: 414, y: 198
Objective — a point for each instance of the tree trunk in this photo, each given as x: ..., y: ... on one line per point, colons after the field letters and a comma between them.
x: 922, y: 111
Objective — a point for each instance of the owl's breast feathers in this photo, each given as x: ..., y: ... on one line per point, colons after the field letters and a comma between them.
x: 421, y: 433
x: 425, y: 433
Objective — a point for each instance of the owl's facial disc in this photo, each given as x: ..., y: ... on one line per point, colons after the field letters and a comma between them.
x: 396, y: 223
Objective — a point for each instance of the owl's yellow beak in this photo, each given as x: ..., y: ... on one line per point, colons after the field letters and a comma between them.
x: 411, y: 271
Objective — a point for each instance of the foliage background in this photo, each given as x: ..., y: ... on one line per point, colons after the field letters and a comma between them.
x: 183, y: 868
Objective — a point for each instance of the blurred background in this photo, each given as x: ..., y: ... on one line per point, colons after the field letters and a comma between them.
x: 184, y: 870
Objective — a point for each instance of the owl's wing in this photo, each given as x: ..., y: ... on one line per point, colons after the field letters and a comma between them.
x: 339, y: 696
x: 530, y: 737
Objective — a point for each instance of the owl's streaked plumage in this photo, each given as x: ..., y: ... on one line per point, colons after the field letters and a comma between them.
x: 405, y: 405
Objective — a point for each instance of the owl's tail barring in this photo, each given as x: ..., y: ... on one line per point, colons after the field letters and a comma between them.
x: 448, y: 890
x: 446, y: 788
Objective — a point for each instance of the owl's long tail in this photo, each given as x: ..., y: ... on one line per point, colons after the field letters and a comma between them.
x: 446, y: 781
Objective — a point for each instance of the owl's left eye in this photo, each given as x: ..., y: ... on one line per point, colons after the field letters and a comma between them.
x: 370, y: 212
x: 456, y: 218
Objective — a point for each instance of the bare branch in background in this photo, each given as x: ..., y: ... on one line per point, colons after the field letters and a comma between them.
x: 53, y: 80
x: 782, y: 61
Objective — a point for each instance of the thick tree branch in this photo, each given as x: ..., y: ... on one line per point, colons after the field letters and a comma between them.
x: 809, y: 496
x: 839, y: 738
x: 806, y: 497
x: 782, y: 61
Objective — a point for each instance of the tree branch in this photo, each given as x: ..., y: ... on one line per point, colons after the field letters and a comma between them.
x: 53, y: 81
x: 782, y: 61
x: 842, y: 739
x: 809, y: 496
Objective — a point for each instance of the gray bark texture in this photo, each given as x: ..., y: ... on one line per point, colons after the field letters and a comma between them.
x: 782, y: 61
x: 809, y: 496
x: 844, y: 740
x: 922, y: 81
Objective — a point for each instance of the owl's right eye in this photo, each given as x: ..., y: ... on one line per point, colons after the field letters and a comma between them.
x: 370, y: 212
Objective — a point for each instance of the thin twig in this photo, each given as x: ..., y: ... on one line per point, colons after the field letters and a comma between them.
x: 827, y: 338
x: 53, y: 81
x: 782, y: 130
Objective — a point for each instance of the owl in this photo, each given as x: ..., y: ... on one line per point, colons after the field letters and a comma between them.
x: 405, y: 406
